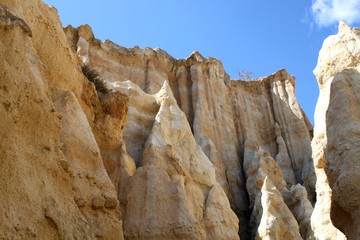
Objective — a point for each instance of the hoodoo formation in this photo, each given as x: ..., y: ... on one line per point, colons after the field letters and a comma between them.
x: 99, y: 141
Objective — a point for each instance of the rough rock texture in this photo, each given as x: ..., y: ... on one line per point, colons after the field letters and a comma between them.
x: 174, y: 149
x: 336, y: 136
x: 277, y: 211
x: 277, y: 222
x: 53, y: 182
x: 244, y: 116
x: 174, y: 173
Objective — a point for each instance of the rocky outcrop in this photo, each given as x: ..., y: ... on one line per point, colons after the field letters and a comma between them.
x: 53, y: 181
x: 277, y: 222
x: 245, y: 115
x: 63, y: 151
x: 164, y: 149
x: 335, y: 144
x: 175, y: 172
x: 277, y: 210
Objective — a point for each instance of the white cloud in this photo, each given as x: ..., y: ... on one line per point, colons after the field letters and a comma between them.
x: 328, y: 12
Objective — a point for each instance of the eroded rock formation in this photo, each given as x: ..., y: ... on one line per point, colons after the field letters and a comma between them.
x: 336, y: 136
x: 53, y: 181
x: 245, y: 115
x: 173, y: 149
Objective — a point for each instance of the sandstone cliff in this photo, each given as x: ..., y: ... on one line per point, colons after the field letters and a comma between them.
x: 244, y: 117
x: 173, y: 149
x: 53, y: 181
x: 336, y: 137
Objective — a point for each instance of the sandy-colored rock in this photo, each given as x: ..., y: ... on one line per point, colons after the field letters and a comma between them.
x: 335, y: 144
x: 264, y: 112
x: 174, y: 171
x: 297, y: 201
x: 287, y: 203
x: 162, y: 154
x: 338, y: 52
x: 277, y: 222
x: 109, y: 116
x: 88, y: 175
x: 287, y: 207
x: 218, y: 216
x: 283, y: 158
x: 262, y: 165
x: 51, y: 164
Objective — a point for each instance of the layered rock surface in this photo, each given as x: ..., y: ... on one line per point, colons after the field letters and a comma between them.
x: 174, y: 149
x: 64, y: 162
x: 229, y: 129
x: 53, y: 181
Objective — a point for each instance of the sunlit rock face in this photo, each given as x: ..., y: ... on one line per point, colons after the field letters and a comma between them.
x: 53, y: 181
x: 173, y: 149
x: 335, y: 144
x: 229, y: 120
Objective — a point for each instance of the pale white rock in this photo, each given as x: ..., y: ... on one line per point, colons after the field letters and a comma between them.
x: 288, y: 115
x: 320, y: 219
x: 277, y: 222
x: 338, y: 52
x: 261, y: 166
x: 257, y: 169
x: 142, y: 110
x: 83, y: 49
x: 174, y: 171
x: 297, y: 201
x: 335, y: 144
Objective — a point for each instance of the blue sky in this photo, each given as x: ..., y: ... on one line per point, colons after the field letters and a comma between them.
x: 259, y: 36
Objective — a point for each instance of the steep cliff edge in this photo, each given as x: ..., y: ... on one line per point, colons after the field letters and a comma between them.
x: 53, y: 182
x: 336, y: 136
x: 230, y: 120
x: 173, y: 150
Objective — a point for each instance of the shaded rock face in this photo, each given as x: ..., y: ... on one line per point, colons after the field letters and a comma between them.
x: 336, y: 136
x: 174, y: 149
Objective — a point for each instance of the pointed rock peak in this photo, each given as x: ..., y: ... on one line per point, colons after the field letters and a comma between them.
x: 197, y: 56
x: 165, y: 87
x: 282, y: 73
x: 343, y: 27
x: 162, y: 53
x: 268, y: 185
x: 165, y: 93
